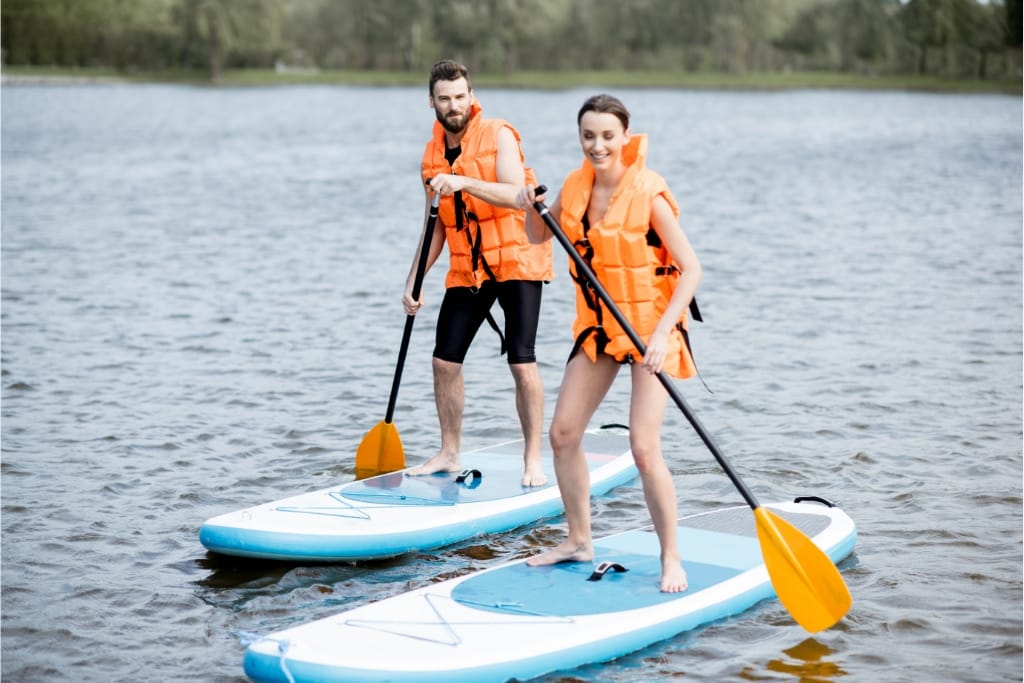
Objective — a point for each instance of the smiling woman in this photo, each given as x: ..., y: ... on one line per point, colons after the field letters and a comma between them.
x: 626, y: 221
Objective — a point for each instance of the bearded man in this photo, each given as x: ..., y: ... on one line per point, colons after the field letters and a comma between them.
x: 477, y: 166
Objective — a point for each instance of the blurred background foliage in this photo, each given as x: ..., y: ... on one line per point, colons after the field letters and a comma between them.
x: 971, y: 39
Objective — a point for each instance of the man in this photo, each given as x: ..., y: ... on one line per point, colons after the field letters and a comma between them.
x: 476, y: 165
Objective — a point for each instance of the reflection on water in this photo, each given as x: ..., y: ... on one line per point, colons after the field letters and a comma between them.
x: 807, y: 663
x: 230, y: 572
x: 201, y: 305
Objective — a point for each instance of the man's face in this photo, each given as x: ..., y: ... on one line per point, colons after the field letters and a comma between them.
x: 451, y: 101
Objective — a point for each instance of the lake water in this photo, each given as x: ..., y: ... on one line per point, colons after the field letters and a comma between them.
x: 201, y: 312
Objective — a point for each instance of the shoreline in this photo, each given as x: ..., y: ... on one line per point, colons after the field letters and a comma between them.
x: 566, y: 80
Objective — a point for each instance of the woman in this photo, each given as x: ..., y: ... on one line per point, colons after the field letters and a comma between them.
x: 625, y: 223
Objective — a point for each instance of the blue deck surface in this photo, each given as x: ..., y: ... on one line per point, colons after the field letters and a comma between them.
x: 716, y: 547
x: 710, y: 557
x: 500, y: 476
x: 353, y: 506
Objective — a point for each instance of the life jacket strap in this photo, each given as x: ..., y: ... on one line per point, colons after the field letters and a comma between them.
x: 670, y: 270
x: 476, y: 250
x: 494, y: 326
x: 689, y: 349
x: 600, y: 338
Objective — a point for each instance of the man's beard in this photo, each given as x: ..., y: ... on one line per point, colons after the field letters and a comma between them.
x: 455, y: 124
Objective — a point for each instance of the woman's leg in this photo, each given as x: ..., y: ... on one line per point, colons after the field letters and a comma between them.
x: 646, y: 412
x: 584, y: 385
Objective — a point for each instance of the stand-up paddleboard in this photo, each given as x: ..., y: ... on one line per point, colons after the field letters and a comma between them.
x: 517, y: 621
x: 396, y: 513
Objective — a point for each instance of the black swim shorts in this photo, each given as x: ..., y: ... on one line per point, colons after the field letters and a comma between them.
x: 463, y: 310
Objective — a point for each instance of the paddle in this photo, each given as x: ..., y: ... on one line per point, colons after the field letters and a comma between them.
x: 381, y: 449
x: 806, y: 580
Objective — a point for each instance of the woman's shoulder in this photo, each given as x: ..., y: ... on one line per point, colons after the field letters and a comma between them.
x: 650, y: 180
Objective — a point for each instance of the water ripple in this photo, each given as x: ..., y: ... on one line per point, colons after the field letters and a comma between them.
x: 201, y: 310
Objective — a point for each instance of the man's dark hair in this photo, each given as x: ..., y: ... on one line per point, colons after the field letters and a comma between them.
x: 448, y: 70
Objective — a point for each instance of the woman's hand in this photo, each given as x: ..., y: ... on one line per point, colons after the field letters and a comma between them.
x: 657, y: 347
x: 527, y: 196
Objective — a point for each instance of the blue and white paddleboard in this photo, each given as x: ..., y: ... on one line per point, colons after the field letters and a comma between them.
x: 395, y: 513
x: 516, y: 621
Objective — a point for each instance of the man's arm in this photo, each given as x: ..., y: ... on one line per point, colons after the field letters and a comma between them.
x: 434, y: 251
x: 510, y: 176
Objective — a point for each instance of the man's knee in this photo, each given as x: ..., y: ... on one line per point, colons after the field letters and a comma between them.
x: 445, y: 369
x: 526, y: 375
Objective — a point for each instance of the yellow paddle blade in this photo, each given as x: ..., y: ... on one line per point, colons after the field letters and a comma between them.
x: 380, y: 451
x: 807, y: 582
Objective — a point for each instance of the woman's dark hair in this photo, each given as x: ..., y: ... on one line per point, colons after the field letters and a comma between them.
x: 448, y: 70
x: 605, y: 104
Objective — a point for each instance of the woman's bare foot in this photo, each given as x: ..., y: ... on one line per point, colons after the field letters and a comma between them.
x: 564, y: 552
x: 442, y: 462
x: 673, y: 577
x: 534, y: 475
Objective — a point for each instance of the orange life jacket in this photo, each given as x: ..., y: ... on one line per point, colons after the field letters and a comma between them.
x: 484, y: 241
x: 628, y: 258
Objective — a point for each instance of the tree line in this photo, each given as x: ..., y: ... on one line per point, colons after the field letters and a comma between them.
x: 951, y: 38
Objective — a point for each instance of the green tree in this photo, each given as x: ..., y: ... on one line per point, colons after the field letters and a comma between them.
x: 119, y: 33
x: 1013, y: 22
x: 866, y: 31
x: 979, y: 38
x: 216, y: 27
x: 989, y: 34
x: 936, y: 25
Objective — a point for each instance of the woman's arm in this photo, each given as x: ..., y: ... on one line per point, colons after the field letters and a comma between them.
x: 536, y: 229
x: 666, y: 225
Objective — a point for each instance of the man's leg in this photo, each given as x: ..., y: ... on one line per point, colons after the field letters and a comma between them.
x: 530, y: 406
x: 520, y: 300
x: 450, y: 398
x: 462, y: 312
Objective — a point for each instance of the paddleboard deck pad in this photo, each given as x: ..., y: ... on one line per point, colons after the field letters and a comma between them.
x: 396, y: 513
x: 518, y: 622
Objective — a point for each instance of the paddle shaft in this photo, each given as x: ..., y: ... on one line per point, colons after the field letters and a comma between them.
x: 417, y: 285
x: 582, y: 267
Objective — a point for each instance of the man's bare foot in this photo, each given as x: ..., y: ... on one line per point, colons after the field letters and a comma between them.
x: 534, y: 475
x: 442, y: 462
x: 564, y: 552
x: 673, y: 577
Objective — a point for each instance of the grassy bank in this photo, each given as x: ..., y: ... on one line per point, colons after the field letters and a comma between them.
x: 555, y: 80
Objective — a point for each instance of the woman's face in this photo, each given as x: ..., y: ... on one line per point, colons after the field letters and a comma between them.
x: 602, y: 138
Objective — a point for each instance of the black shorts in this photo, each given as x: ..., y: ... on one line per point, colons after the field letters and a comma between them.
x: 463, y: 310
